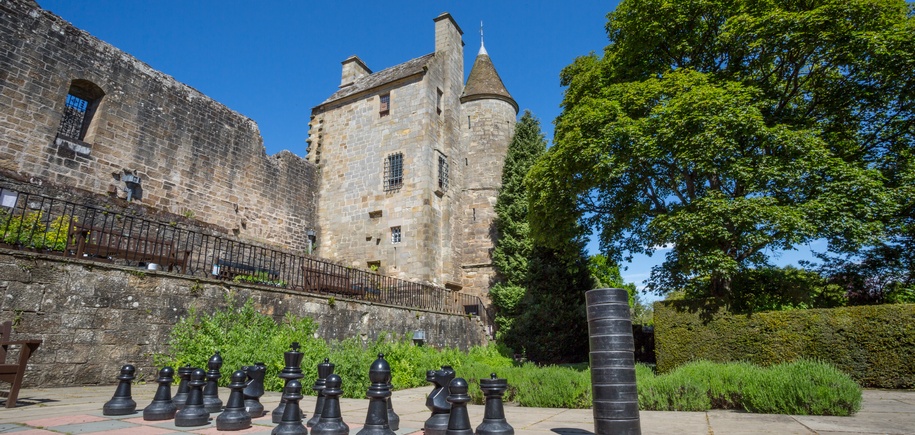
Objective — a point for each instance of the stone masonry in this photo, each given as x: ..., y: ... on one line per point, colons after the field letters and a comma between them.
x: 453, y: 140
x: 94, y: 317
x: 195, y: 157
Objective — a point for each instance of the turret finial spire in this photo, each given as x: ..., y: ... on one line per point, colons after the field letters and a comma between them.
x: 482, y: 47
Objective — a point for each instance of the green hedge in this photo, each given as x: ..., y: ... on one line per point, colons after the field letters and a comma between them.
x: 873, y: 344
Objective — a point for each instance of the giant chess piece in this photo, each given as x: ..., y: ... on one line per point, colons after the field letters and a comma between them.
x: 254, y: 389
x: 331, y: 421
x: 291, y: 372
x: 194, y: 413
x: 291, y: 422
x: 459, y: 420
x: 211, y: 400
x: 393, y: 418
x: 234, y: 417
x: 181, y: 396
x: 376, y: 420
x: 325, y: 369
x: 162, y: 406
x: 122, y: 403
x: 437, y: 401
x: 494, y: 422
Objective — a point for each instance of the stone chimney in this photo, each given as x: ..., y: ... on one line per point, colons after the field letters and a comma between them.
x: 447, y: 34
x: 353, y: 69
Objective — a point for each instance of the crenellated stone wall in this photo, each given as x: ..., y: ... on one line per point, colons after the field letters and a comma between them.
x: 95, y: 317
x: 194, y: 156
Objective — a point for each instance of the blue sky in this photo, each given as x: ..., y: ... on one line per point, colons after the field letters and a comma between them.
x: 272, y: 61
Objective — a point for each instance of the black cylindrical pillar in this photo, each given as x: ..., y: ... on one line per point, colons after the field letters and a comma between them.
x: 613, y: 388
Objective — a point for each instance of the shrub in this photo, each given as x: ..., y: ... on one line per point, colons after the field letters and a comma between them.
x: 873, y: 344
x: 243, y: 336
x: 799, y: 388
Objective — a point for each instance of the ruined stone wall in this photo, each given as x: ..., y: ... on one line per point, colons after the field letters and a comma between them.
x: 487, y: 134
x: 195, y: 157
x: 94, y: 317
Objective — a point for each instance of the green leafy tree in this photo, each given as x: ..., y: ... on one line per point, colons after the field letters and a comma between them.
x: 730, y: 129
x: 606, y: 274
x: 514, y: 245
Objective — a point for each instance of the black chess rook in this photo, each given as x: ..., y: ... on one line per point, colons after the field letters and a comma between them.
x: 494, y: 422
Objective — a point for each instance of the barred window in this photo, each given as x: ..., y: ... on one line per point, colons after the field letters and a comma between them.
x: 395, y: 234
x: 393, y: 172
x: 384, y: 105
x: 82, y: 100
x: 442, y: 173
x: 71, y: 125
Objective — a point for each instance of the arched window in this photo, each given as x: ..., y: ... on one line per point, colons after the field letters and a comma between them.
x: 82, y: 101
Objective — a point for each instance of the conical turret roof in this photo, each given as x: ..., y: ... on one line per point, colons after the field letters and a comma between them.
x: 484, y: 82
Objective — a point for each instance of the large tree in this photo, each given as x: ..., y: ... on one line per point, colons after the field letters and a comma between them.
x: 514, y: 244
x: 733, y: 128
x: 539, y: 299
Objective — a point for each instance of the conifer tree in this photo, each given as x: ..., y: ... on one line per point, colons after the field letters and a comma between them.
x: 513, y: 247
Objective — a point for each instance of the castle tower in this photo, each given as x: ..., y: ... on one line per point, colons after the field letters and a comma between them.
x: 487, y: 126
x: 386, y: 144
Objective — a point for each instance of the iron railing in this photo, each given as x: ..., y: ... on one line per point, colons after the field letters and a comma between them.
x: 53, y: 226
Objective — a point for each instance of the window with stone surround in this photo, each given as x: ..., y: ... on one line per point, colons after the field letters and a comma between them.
x: 82, y: 100
x: 393, y: 172
x: 384, y: 105
x: 442, y: 173
x: 395, y: 234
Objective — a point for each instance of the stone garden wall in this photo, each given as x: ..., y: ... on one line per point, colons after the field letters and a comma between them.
x: 95, y: 317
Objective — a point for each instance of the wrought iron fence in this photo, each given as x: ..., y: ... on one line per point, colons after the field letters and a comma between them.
x: 53, y: 226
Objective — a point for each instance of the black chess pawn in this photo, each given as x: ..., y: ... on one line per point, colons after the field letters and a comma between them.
x: 376, y: 420
x: 324, y: 370
x: 180, y: 398
x: 194, y: 413
x: 254, y: 389
x: 292, y: 371
x: 162, y: 407
x: 437, y: 401
x: 393, y: 418
x: 122, y: 403
x: 291, y: 422
x: 459, y: 420
x: 494, y: 422
x: 211, y: 400
x: 234, y: 417
x: 331, y: 421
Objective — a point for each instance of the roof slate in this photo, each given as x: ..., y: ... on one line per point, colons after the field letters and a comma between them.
x: 382, y: 77
x: 484, y: 82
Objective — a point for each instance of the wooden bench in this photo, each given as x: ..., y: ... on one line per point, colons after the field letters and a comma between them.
x: 85, y: 241
x: 13, y: 373
x: 328, y: 278
x: 229, y: 270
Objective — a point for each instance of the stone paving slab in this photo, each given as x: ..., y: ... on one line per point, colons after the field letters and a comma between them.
x: 77, y: 410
